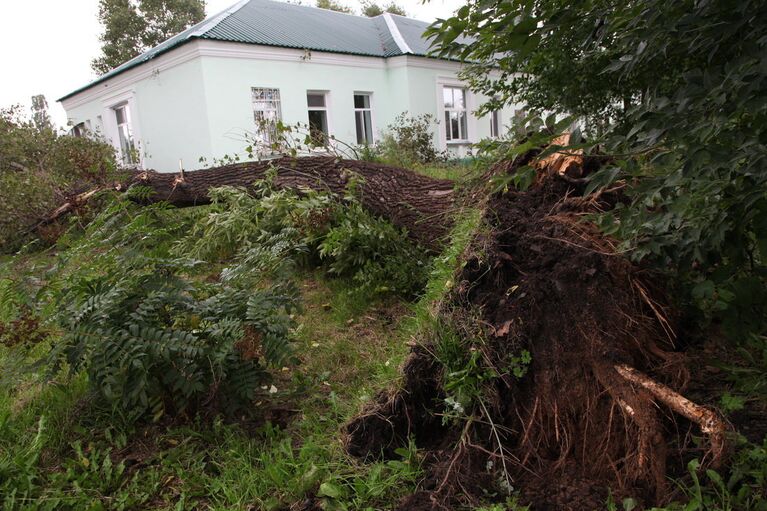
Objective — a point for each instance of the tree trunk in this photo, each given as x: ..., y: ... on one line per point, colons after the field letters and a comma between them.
x: 418, y: 203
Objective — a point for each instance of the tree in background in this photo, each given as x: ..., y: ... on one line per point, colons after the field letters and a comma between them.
x: 372, y: 9
x: 369, y: 8
x: 40, y: 116
x: 133, y: 26
x: 677, y: 93
x: 332, y: 5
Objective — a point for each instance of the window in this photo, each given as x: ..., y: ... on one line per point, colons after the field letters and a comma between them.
x: 125, y: 134
x: 454, y: 99
x: 363, y: 119
x: 318, y: 117
x: 495, y: 124
x: 81, y: 129
x: 267, y: 111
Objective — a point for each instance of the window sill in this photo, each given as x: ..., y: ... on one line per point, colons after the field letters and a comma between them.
x: 458, y: 142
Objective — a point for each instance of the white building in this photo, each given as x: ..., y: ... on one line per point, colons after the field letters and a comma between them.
x: 199, y: 93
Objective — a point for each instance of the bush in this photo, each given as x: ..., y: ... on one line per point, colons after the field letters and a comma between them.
x: 158, y: 336
x: 39, y: 168
x: 376, y: 255
x: 238, y: 220
x: 409, y: 141
x: 154, y: 342
x: 272, y: 230
x: 153, y: 337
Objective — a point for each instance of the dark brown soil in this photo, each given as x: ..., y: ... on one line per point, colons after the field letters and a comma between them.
x: 543, y: 280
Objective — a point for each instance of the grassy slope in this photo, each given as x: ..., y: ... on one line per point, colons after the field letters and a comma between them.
x: 349, y: 347
x: 60, y: 450
x: 69, y: 454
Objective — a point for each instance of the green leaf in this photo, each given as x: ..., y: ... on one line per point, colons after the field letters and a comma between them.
x: 330, y: 489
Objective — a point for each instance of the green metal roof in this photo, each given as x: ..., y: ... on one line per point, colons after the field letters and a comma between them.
x: 275, y: 23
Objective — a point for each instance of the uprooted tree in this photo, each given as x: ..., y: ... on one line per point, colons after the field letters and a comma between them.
x: 553, y: 365
x: 408, y: 200
x: 553, y: 357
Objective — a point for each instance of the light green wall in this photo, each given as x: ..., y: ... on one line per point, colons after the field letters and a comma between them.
x: 173, y: 117
x: 424, y: 88
x: 228, y: 83
x: 202, y: 108
x: 169, y: 115
x: 89, y: 112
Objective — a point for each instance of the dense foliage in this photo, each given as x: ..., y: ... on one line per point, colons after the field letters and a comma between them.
x: 39, y: 167
x: 133, y: 26
x: 369, y: 8
x: 372, y: 9
x: 138, y: 309
x: 407, y: 142
x: 153, y: 337
x: 275, y: 230
x: 155, y: 324
x: 676, y: 92
x: 332, y: 5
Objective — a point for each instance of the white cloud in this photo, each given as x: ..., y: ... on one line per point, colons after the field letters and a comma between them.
x: 47, y: 45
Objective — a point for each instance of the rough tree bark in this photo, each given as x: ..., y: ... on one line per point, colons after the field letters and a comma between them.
x: 418, y: 203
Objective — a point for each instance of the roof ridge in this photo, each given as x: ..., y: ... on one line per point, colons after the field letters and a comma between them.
x: 396, y: 34
x: 213, y: 21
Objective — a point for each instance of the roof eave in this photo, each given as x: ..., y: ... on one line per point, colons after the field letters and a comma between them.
x: 114, y: 73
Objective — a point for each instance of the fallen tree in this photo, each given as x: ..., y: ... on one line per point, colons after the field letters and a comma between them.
x: 568, y: 358
x: 412, y: 201
x: 570, y: 346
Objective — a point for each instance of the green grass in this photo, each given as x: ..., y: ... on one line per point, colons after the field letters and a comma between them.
x: 59, y: 450
x: 451, y: 171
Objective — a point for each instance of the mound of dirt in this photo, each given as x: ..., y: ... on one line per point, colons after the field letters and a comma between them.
x: 591, y: 411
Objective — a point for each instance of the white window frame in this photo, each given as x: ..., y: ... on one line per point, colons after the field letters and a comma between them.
x: 463, y: 128
x: 82, y: 129
x: 326, y: 95
x: 495, y: 124
x: 370, y: 139
x: 108, y: 116
x: 129, y: 134
x: 266, y: 136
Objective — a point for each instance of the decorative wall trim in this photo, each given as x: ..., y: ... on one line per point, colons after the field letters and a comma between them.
x: 423, y: 62
x: 125, y: 80
x: 210, y: 48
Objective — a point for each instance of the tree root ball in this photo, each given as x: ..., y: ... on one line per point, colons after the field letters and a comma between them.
x: 573, y: 422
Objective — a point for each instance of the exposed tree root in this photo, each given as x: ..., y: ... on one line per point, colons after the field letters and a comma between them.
x: 585, y: 414
x: 710, y: 422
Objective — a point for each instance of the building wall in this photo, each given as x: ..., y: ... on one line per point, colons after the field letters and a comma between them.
x: 173, y: 114
x: 166, y: 100
x: 230, y: 76
x: 426, y: 78
x: 195, y: 102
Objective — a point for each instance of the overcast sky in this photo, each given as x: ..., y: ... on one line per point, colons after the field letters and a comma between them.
x: 46, y: 46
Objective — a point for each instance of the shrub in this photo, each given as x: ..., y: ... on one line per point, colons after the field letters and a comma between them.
x: 155, y: 338
x: 238, y: 220
x: 408, y: 141
x: 375, y: 254
x: 272, y: 230
x: 154, y: 342
x: 39, y: 168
